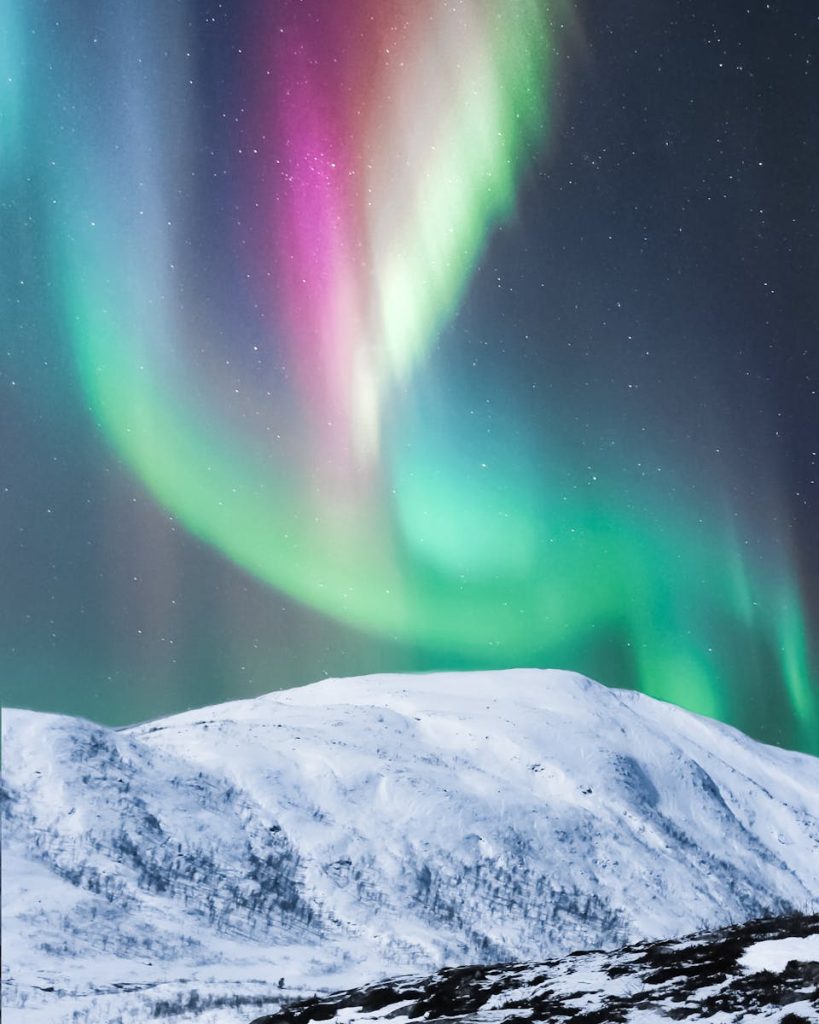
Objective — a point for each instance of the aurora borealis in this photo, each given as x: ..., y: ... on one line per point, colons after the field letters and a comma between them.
x: 397, y: 336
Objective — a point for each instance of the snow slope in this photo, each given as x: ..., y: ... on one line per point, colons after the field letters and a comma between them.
x: 361, y: 827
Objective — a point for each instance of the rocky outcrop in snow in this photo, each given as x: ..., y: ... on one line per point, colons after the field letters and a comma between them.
x: 760, y: 971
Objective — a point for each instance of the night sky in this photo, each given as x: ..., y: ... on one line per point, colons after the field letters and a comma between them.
x: 342, y: 338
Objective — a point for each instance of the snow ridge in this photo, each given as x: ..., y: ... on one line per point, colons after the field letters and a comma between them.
x: 361, y: 827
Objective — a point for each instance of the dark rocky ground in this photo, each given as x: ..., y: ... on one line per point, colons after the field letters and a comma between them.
x: 689, y: 979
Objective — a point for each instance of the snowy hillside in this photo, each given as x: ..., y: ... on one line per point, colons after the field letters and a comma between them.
x: 357, y: 828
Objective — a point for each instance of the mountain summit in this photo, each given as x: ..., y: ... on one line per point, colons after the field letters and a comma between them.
x: 356, y: 828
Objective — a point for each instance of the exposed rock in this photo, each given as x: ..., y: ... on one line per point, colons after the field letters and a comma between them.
x: 687, y: 979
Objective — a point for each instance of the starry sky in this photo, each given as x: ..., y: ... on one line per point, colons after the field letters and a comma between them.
x: 401, y: 336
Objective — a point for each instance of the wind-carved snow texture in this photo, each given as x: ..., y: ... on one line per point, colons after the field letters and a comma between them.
x: 357, y: 828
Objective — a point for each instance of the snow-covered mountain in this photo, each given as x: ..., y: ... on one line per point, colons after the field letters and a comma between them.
x: 759, y: 971
x: 356, y: 828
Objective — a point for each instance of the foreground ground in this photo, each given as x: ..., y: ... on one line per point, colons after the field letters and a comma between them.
x: 761, y: 971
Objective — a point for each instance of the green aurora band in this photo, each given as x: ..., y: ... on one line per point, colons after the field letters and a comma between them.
x: 480, y: 559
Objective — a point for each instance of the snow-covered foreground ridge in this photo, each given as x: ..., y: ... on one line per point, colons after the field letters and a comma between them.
x: 355, y: 828
x: 761, y: 971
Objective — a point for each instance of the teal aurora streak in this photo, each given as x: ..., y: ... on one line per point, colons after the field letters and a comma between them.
x: 472, y: 547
